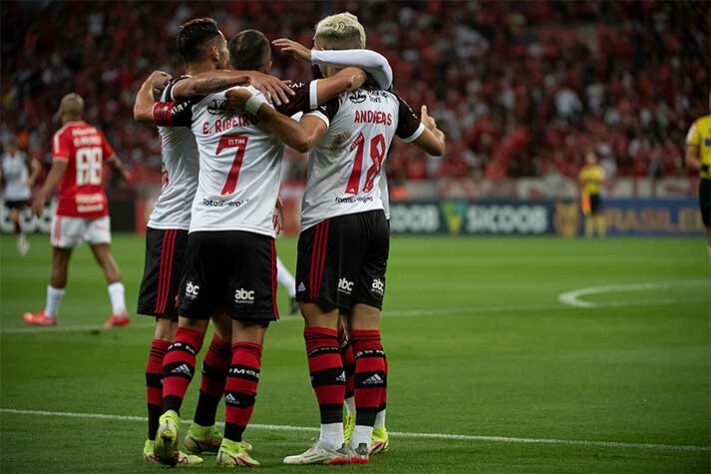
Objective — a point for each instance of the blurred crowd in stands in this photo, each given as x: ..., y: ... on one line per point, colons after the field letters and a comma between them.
x: 520, y: 88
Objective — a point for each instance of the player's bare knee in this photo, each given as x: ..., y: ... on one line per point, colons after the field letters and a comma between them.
x: 223, y: 326
x: 315, y: 316
x: 364, y: 316
x: 249, y: 331
x: 195, y: 324
x: 165, y: 329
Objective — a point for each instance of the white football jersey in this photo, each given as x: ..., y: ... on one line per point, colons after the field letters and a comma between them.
x: 385, y: 194
x: 179, y: 172
x: 344, y: 170
x: 240, y: 165
x: 15, y: 174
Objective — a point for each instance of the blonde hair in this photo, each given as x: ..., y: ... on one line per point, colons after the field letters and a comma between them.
x: 340, y: 31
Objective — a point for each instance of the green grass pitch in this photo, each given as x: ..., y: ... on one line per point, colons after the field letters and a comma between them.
x: 478, y: 344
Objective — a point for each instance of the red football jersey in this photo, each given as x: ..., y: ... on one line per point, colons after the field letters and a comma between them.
x: 81, y: 191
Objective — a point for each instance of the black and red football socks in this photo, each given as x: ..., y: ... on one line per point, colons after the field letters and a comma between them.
x: 370, y: 382
x: 348, y: 361
x: 241, y: 388
x: 154, y: 387
x: 212, y: 384
x: 179, y: 367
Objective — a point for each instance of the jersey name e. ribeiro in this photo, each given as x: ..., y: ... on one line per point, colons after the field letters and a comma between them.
x: 240, y: 164
x: 344, y: 170
x: 15, y: 174
x: 179, y: 170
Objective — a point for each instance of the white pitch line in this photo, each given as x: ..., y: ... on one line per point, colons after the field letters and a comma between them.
x: 402, y: 313
x: 572, y: 298
x: 399, y: 434
x: 71, y: 328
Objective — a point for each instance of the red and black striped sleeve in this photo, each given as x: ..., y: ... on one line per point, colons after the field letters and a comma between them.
x: 173, y: 114
x: 298, y: 102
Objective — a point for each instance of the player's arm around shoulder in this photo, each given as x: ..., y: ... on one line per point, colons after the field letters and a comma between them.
x: 211, y: 82
x: 297, y: 135
x: 346, y: 80
x: 145, y: 98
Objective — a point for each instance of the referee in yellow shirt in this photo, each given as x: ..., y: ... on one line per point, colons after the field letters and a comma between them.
x: 698, y: 158
x: 592, y: 177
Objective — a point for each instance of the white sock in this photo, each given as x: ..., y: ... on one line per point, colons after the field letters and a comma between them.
x: 286, y: 279
x: 54, y: 297
x: 350, y: 406
x: 118, y: 302
x: 380, y: 419
x: 361, y: 434
x: 331, y: 435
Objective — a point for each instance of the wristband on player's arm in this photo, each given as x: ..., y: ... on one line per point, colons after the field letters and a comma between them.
x: 254, y: 103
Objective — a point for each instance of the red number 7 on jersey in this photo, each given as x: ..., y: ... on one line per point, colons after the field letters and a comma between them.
x: 232, y: 141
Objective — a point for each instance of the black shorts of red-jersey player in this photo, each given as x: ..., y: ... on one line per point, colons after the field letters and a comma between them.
x: 342, y: 261
x: 163, y: 271
x: 229, y: 271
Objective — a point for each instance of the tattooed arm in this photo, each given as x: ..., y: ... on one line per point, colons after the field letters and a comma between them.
x: 215, y: 81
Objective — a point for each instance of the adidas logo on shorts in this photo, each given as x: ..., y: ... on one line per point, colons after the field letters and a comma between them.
x: 302, y: 287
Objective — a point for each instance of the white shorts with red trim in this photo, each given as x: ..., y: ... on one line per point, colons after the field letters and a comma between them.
x: 69, y: 232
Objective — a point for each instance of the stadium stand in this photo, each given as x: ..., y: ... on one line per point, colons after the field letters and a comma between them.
x: 521, y: 89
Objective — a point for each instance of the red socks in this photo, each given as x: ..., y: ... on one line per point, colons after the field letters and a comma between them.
x: 154, y: 387
x: 347, y: 359
x: 212, y: 385
x: 326, y: 370
x: 241, y: 388
x: 370, y: 375
x: 179, y: 367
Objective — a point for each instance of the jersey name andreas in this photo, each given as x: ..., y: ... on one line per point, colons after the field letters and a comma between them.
x: 345, y: 169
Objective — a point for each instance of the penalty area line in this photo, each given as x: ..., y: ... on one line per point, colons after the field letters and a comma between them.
x: 398, y: 434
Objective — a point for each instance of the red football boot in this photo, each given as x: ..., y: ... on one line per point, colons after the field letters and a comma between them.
x: 117, y: 320
x: 40, y: 319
